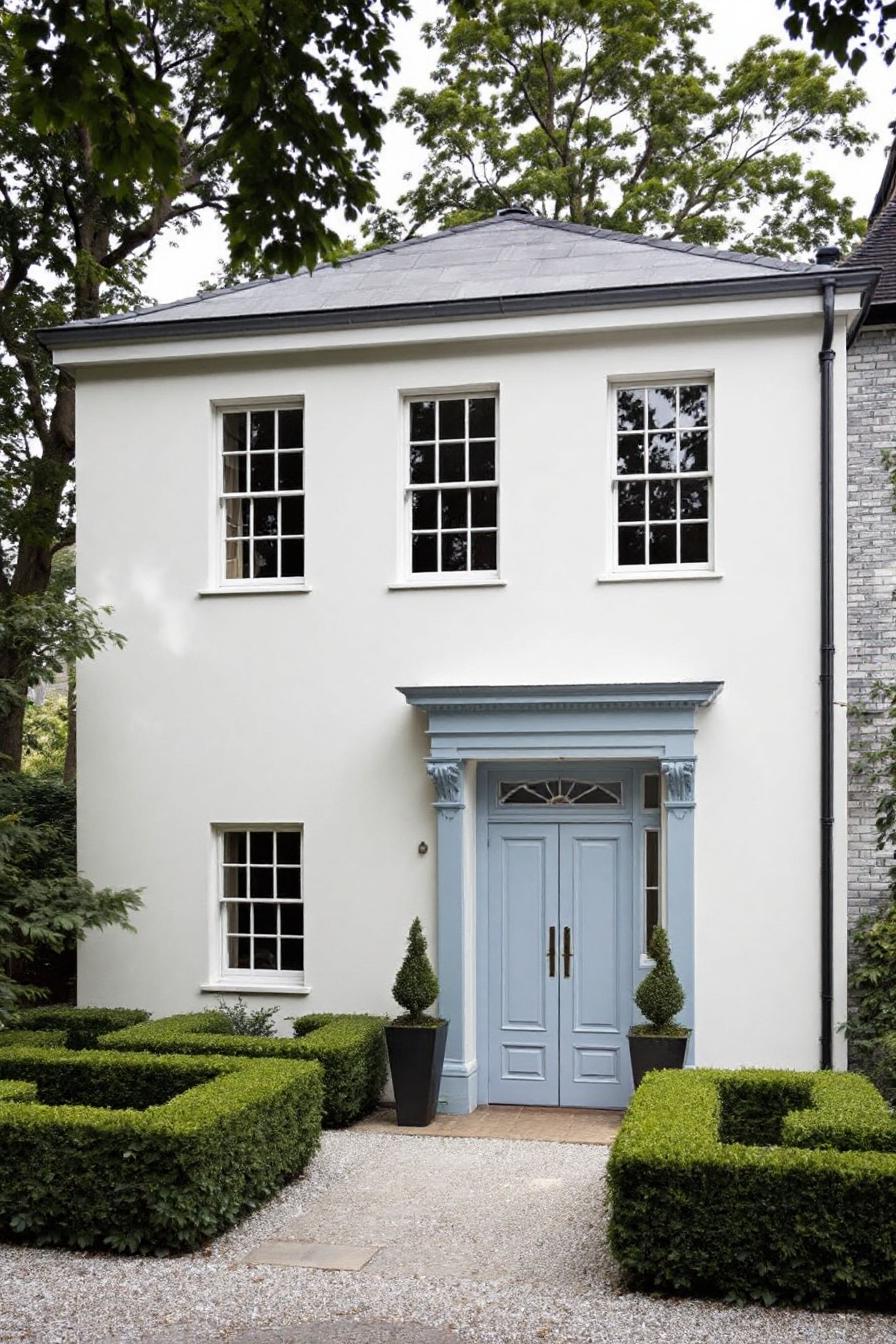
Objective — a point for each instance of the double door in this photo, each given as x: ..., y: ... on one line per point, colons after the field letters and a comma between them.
x: 560, y: 963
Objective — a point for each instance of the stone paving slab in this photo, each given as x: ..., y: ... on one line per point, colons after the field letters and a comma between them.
x: 541, y: 1124
x: 311, y: 1255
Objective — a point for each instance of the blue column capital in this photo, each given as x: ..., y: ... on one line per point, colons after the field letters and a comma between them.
x: 448, y: 780
x: 678, y: 775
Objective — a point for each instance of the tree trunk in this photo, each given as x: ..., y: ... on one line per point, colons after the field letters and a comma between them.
x: 71, y: 746
x: 12, y: 727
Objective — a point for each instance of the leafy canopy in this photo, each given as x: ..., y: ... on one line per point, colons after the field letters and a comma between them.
x: 605, y: 112
x: 44, y: 904
x: 844, y: 29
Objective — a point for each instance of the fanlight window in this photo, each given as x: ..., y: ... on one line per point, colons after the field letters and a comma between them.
x: 558, y: 793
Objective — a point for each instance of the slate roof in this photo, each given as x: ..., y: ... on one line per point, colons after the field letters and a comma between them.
x: 511, y: 260
x: 878, y: 247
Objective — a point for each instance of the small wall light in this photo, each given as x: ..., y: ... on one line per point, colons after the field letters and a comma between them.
x: 423, y: 847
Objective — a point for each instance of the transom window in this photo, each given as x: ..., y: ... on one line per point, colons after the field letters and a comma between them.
x: 663, y: 479
x: 260, y: 901
x: 263, y: 494
x: 452, y: 490
x: 562, y: 792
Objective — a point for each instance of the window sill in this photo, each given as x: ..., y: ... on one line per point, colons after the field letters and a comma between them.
x: 248, y: 590
x: 230, y: 987
x: 659, y: 576
x: 492, y: 581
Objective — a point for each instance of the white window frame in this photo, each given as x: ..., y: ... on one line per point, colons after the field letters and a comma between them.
x: 221, y: 584
x: 222, y: 977
x: 445, y: 578
x: 678, y: 570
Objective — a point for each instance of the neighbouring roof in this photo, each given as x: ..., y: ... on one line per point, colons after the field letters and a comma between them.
x: 878, y: 247
x: 514, y: 262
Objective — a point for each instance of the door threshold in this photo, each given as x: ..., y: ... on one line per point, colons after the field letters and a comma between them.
x: 544, y: 1124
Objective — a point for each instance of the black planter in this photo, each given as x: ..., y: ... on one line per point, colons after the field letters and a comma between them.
x: 416, y: 1056
x: 656, y: 1052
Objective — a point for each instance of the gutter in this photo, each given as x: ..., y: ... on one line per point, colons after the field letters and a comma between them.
x: 826, y: 670
x: 117, y: 331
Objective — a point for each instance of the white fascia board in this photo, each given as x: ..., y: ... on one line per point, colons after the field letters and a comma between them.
x: 522, y: 327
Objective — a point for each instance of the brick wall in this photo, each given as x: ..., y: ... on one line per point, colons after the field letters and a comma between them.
x: 871, y: 543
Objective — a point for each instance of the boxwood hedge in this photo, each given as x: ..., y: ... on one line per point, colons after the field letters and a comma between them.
x: 351, y: 1049
x: 82, y: 1026
x: 757, y: 1184
x: 83, y: 1165
x: 46, y: 1039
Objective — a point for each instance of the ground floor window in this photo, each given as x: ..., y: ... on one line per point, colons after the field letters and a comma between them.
x: 260, y: 904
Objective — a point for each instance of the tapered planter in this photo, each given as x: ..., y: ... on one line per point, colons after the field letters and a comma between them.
x: 656, y: 1052
x: 416, y: 1056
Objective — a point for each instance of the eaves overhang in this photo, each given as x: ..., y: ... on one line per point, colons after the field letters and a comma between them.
x: 113, y: 331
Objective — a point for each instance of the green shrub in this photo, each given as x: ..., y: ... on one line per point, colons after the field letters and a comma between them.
x: 660, y: 995
x: 872, y: 996
x: 163, y: 1178
x: 248, y: 1021
x: 12, y: 1089
x: 699, y: 1207
x: 416, y: 984
x: 82, y: 1026
x: 350, y: 1048
x: 37, y: 1039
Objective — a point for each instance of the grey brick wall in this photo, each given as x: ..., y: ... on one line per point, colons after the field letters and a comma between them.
x: 871, y: 547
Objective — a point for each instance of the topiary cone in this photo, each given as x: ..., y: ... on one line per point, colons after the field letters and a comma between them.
x: 416, y: 984
x: 660, y: 995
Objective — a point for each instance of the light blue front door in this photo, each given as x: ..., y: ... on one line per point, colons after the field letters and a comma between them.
x: 560, y: 963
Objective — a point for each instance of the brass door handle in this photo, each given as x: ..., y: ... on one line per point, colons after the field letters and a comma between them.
x: 552, y: 952
x: 567, y: 951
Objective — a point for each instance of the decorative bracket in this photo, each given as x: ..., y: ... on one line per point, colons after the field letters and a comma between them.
x: 448, y: 779
x: 679, y: 777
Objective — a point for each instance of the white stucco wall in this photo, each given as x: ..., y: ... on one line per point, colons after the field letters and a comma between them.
x: 283, y: 708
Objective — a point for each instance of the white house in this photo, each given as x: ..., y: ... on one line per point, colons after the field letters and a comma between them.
x: 488, y: 576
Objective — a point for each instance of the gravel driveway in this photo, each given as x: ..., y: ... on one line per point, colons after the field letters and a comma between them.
x: 485, y: 1241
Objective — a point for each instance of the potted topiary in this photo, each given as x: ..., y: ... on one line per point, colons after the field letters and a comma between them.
x: 416, y: 1043
x: 661, y: 1043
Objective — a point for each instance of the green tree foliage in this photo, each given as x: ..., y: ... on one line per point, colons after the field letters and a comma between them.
x: 44, y: 904
x: 605, y: 112
x: 45, y: 738
x: 660, y: 995
x: 844, y: 29
x: 119, y: 121
x: 416, y: 984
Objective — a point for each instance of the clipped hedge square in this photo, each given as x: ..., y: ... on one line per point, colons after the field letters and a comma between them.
x: 351, y: 1049
x: 137, y: 1153
x: 757, y: 1184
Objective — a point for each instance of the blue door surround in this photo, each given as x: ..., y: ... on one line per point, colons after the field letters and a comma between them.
x: 472, y: 726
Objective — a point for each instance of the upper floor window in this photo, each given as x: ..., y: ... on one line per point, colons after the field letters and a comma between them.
x: 663, y: 480
x: 452, y: 484
x: 262, y: 494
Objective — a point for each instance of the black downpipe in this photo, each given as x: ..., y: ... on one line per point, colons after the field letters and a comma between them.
x: 826, y: 362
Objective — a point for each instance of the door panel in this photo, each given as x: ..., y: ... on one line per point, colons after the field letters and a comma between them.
x: 523, y: 1000
x: 596, y: 981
